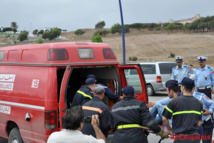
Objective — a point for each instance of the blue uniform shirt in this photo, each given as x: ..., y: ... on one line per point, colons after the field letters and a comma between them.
x: 204, y: 77
x: 166, y: 101
x: 207, y: 103
x: 179, y: 74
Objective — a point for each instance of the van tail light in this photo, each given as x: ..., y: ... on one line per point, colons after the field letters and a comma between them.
x: 50, y: 120
x: 57, y: 54
x: 108, y: 53
x: 159, y: 80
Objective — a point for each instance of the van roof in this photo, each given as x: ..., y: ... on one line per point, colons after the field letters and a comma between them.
x: 151, y: 62
x: 64, y: 53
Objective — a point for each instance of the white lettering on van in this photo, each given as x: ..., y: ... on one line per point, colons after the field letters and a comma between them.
x: 5, y: 109
x: 7, y: 77
x: 6, y: 86
x: 35, y: 83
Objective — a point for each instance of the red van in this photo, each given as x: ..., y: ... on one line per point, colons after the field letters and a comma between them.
x: 38, y: 82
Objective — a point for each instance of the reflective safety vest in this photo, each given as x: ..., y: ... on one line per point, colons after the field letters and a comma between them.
x: 85, y: 95
x: 128, y: 126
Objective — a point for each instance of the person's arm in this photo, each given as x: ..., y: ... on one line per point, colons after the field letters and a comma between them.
x: 98, y: 132
x: 164, y: 101
x: 212, y: 79
x: 209, y: 103
x: 166, y: 122
x: 172, y: 77
x: 195, y: 80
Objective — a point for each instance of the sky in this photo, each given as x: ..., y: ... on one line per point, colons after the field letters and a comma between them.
x: 82, y: 14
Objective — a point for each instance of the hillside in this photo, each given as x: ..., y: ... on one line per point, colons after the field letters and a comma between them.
x: 154, y: 46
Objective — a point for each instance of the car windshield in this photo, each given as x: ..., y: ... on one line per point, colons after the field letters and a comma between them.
x: 148, y: 69
x: 166, y: 68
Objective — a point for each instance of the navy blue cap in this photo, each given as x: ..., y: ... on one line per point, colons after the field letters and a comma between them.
x: 90, y: 81
x: 128, y: 90
x: 178, y: 59
x: 202, y: 59
x: 91, y: 76
x: 171, y: 83
x: 187, y: 82
x: 99, y: 90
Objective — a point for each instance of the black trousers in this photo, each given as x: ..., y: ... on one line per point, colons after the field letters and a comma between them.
x: 208, y: 131
x: 207, y: 91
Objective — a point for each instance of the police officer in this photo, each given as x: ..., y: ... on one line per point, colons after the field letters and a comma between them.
x: 208, y: 108
x: 180, y: 71
x: 84, y: 94
x: 129, y: 114
x: 97, y: 107
x: 204, y: 78
x: 108, y: 91
x: 185, y: 112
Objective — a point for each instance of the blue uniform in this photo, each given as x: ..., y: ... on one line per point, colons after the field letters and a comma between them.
x: 204, y: 77
x: 179, y: 74
x: 82, y: 96
x: 109, y: 93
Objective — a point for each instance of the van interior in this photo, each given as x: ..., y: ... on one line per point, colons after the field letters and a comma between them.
x: 106, y: 75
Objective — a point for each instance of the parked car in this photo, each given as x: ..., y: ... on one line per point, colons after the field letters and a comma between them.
x: 156, y: 74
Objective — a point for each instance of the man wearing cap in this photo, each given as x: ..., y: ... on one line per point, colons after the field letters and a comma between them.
x: 84, y: 94
x: 129, y: 114
x: 97, y: 107
x: 186, y: 113
x: 108, y: 91
x: 180, y: 71
x: 204, y: 78
x: 173, y: 92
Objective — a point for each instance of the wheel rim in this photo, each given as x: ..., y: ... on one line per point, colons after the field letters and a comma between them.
x: 149, y: 90
x: 14, y: 140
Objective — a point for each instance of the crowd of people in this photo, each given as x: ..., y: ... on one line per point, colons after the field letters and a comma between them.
x: 186, y: 114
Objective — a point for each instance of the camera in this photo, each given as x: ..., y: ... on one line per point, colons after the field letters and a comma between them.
x: 87, y: 119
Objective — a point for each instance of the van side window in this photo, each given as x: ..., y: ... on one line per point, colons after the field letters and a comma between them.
x: 148, y: 69
x: 1, y: 55
x: 133, y: 72
x: 166, y: 68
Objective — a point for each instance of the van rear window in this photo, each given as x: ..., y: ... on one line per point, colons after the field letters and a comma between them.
x: 166, y: 68
x: 148, y: 69
x: 1, y: 55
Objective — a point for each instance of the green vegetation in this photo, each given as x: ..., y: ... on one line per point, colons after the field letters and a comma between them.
x: 79, y: 32
x: 23, y: 36
x: 172, y: 55
x: 39, y: 41
x: 53, y: 33
x: 133, y: 58
x: 102, y: 33
x: 100, y: 24
x: 97, y: 39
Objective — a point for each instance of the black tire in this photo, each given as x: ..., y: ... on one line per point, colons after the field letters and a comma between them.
x: 150, y: 90
x: 15, y: 136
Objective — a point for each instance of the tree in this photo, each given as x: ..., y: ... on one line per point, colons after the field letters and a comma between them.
x: 53, y: 33
x: 46, y: 35
x: 35, y: 32
x: 100, y: 24
x: 41, y: 32
x: 14, y: 25
x: 79, y: 32
x: 23, y: 36
x: 116, y: 28
x: 14, y: 30
x: 97, y: 39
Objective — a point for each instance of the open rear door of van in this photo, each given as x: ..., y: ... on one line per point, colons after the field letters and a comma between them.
x: 138, y: 83
x: 63, y: 91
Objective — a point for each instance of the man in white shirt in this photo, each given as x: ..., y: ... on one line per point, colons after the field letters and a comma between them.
x: 73, y: 123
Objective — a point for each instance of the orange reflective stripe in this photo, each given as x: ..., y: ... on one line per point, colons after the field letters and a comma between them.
x: 92, y: 109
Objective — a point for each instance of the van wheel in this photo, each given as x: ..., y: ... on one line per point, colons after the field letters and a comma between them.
x: 14, y: 136
x: 150, y: 90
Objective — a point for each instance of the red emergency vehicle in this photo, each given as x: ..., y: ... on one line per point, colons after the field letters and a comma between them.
x: 38, y: 82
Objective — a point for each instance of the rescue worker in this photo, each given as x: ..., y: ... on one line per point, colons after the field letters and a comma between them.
x: 108, y: 91
x: 180, y: 71
x: 204, y: 78
x: 186, y: 113
x: 84, y: 94
x: 208, y: 109
x: 97, y: 107
x: 129, y: 114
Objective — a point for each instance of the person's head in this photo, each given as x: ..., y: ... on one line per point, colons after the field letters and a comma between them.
x: 179, y: 61
x: 99, y: 91
x: 202, y: 61
x: 91, y: 76
x: 172, y: 88
x: 91, y: 83
x: 128, y: 90
x: 73, y: 119
x: 187, y: 85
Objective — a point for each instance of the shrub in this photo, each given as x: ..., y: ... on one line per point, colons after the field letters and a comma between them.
x: 39, y: 41
x: 23, y: 36
x: 97, y: 39
x: 116, y: 28
x: 172, y: 55
x: 102, y: 33
x: 100, y: 24
x: 79, y: 32
x: 133, y: 58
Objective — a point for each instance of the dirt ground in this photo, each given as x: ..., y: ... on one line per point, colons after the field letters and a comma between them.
x: 153, y: 45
